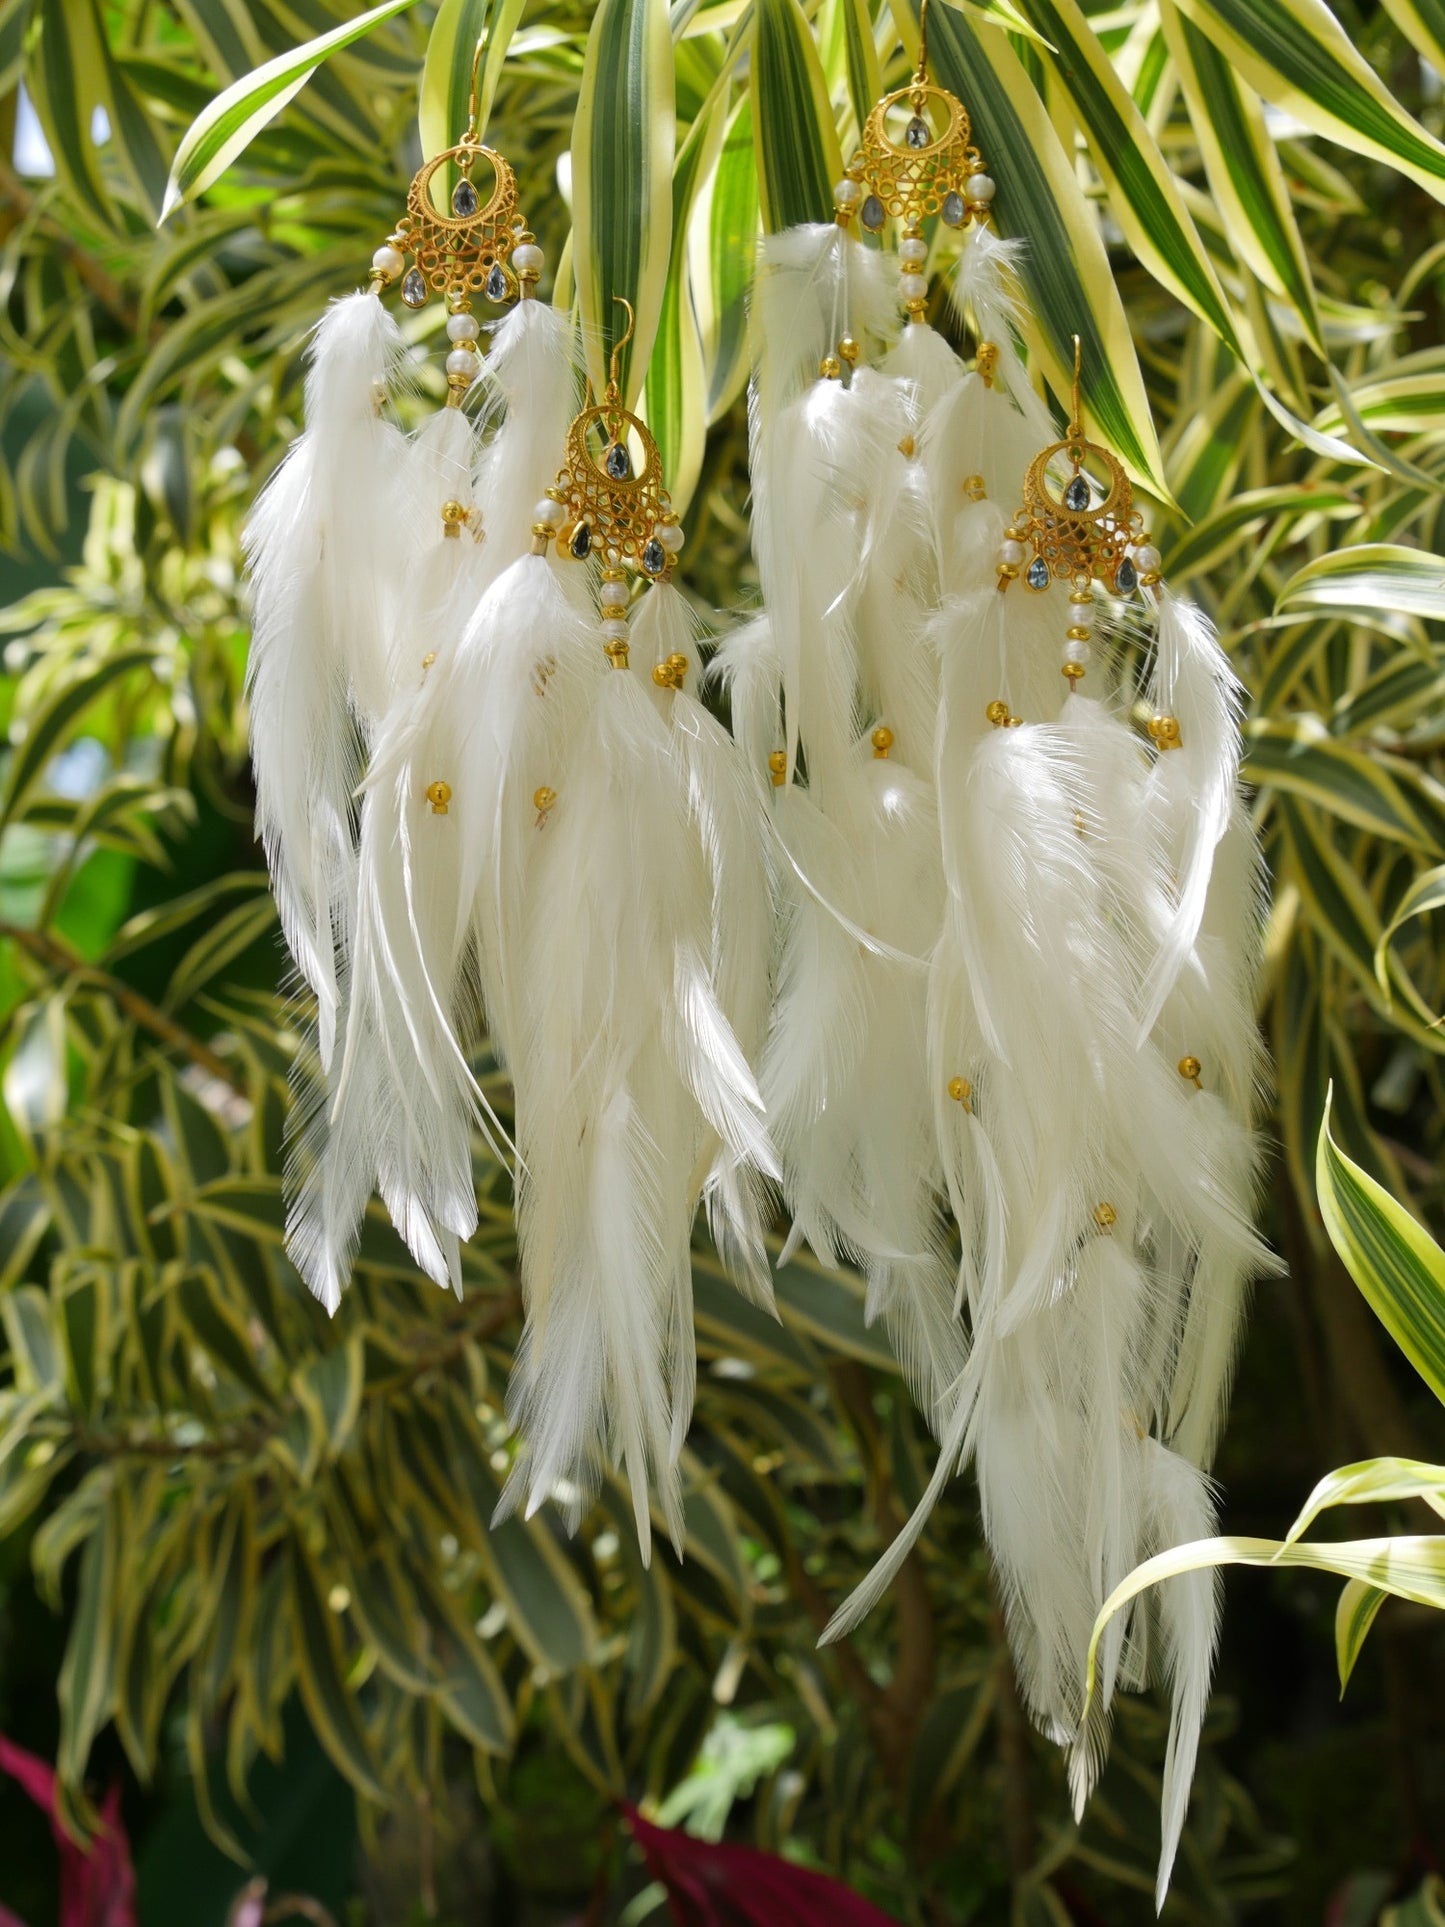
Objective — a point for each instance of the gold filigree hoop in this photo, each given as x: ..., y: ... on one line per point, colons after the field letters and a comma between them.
x: 1075, y: 535
x: 607, y: 504
x: 924, y: 173
x: 466, y: 251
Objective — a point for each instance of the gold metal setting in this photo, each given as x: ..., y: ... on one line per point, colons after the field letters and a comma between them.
x: 456, y: 253
x: 1165, y: 732
x: 615, y: 515
x: 911, y: 183
x: 1074, y: 537
x: 439, y: 795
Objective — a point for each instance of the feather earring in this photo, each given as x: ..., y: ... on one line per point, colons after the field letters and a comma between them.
x: 631, y: 984
x: 1104, y: 1199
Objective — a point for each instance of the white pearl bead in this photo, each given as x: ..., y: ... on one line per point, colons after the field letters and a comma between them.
x: 388, y: 261
x: 1011, y: 552
x: 461, y: 362
x: 614, y: 600
x: 981, y: 187
x: 913, y: 287
x: 615, y: 629
x: 528, y: 258
x: 1076, y: 651
x: 462, y: 327
x: 547, y: 511
x: 1146, y: 558
x: 670, y: 535
x: 847, y: 193
x: 913, y: 249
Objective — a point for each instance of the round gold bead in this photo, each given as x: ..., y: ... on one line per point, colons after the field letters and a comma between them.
x: 439, y: 795
x: 429, y: 658
x: 830, y: 368
x: 1190, y: 1067
x: 997, y: 713
x: 454, y: 517
x: 1073, y: 670
x: 975, y: 488
x: 543, y: 799
x: 616, y: 654
x: 1078, y: 632
x: 1081, y: 595
x: 1014, y: 722
x: 1165, y: 731
x: 960, y: 1090
x: 1105, y: 1215
x: 882, y: 740
x: 778, y: 768
x: 906, y: 446
x: 848, y: 349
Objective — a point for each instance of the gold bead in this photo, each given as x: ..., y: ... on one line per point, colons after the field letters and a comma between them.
x: 1081, y: 595
x: 882, y: 741
x: 778, y: 768
x: 1014, y: 722
x: 975, y: 488
x: 986, y: 362
x: 1189, y: 1067
x: 1150, y: 579
x: 454, y: 517
x: 1105, y: 1215
x: 830, y: 368
x: 960, y: 1090
x: 1165, y: 731
x: 1078, y: 632
x: 616, y: 654
x: 1073, y: 670
x: 543, y: 799
x: 439, y: 795
x: 429, y: 658
x: 997, y: 713
x: 906, y: 446
x: 848, y: 349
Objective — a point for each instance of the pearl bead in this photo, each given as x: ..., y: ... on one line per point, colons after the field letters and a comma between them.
x: 1075, y: 651
x: 913, y: 287
x: 547, y: 511
x: 981, y: 187
x: 912, y: 249
x: 1146, y: 558
x: 615, y: 629
x: 388, y: 261
x: 462, y: 362
x: 462, y: 327
x: 847, y: 193
x: 528, y: 258
x: 1011, y: 552
x: 614, y: 600
x: 670, y: 535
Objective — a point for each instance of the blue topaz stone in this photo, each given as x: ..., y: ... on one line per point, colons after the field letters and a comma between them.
x: 872, y: 214
x: 1076, y: 495
x: 581, y: 543
x: 654, y: 557
x: 916, y: 134
x: 1126, y: 577
x: 464, y: 199
x: 496, y: 286
x: 413, y: 289
x: 953, y: 209
x: 1038, y: 573
x: 618, y: 462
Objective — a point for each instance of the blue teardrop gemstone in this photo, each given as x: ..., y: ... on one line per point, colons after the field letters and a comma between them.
x: 618, y: 463
x: 916, y: 133
x: 496, y: 287
x: 1038, y: 573
x: 581, y: 543
x: 413, y: 289
x: 464, y: 199
x: 1076, y: 495
x: 1126, y: 577
x: 872, y: 214
x: 953, y: 209
x: 654, y: 557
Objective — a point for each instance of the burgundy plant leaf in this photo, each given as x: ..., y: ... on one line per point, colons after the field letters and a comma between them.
x: 7, y: 1919
x: 719, y: 1885
x: 97, y: 1884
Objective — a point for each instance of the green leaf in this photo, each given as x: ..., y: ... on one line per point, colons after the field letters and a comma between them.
x: 1366, y: 580
x: 1143, y: 192
x: 321, y: 1675
x: 1216, y: 536
x: 235, y: 117
x: 1243, y: 168
x: 795, y: 138
x: 1302, y: 758
x: 461, y: 26
x: 1355, y: 1613
x: 48, y: 725
x: 1065, y: 271
x: 1298, y: 56
x: 1373, y: 1481
x: 87, y: 1677
x: 722, y: 250
x: 1397, y: 1265
x: 1426, y: 893
x: 622, y: 155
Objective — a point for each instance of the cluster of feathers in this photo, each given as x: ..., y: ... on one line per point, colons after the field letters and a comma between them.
x: 936, y: 993
x: 994, y: 947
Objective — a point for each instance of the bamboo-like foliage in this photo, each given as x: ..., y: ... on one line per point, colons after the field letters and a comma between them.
x: 1241, y: 222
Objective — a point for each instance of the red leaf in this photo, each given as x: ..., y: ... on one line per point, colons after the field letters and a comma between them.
x: 97, y: 1884
x: 719, y: 1885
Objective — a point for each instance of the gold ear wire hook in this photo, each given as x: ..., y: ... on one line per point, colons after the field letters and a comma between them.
x: 474, y: 100
x: 615, y: 359
x: 921, y: 73
x: 1076, y: 422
